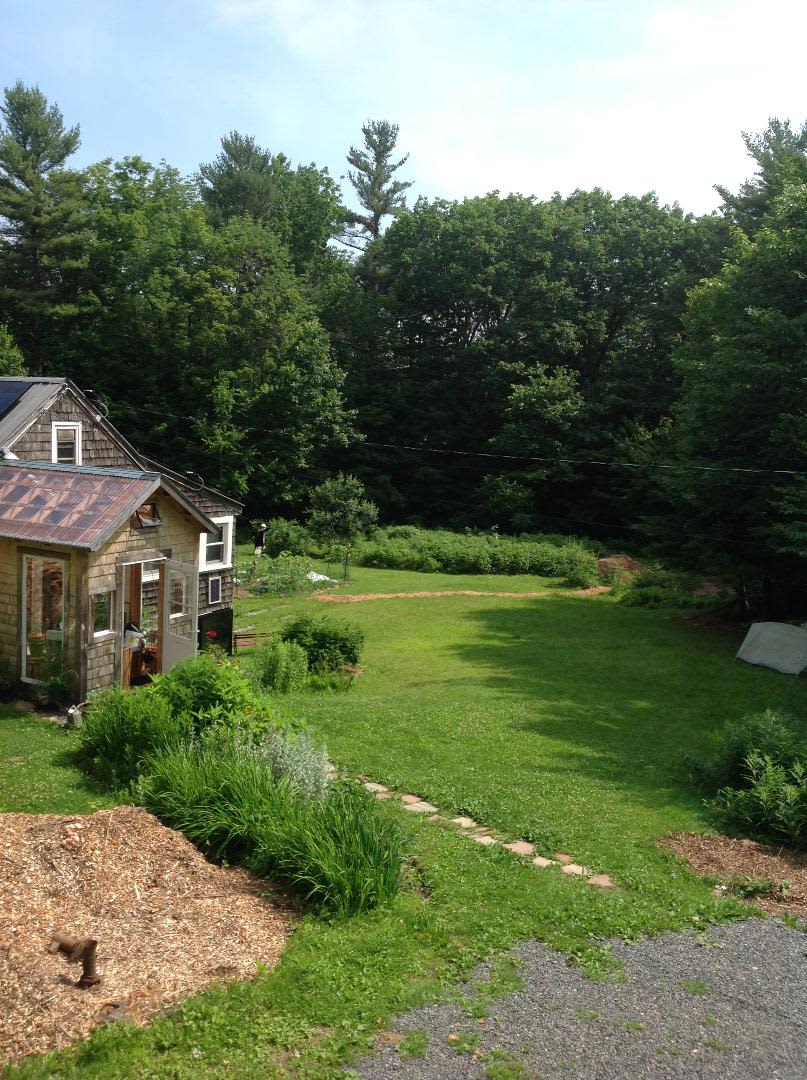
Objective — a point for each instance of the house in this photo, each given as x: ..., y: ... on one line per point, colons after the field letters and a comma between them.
x: 75, y: 543
x: 51, y: 420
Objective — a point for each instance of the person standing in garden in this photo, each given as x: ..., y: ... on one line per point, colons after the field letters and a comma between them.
x: 260, y: 538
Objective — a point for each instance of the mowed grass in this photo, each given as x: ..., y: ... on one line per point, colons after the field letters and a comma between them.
x: 563, y: 720
x: 36, y: 773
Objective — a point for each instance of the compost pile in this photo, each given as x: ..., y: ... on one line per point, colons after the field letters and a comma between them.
x: 168, y: 923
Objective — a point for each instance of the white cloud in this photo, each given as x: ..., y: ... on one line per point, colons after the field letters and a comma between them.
x: 659, y: 104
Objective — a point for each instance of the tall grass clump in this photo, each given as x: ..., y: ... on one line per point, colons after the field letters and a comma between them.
x: 281, y: 666
x: 438, y: 550
x: 246, y: 803
x: 120, y: 728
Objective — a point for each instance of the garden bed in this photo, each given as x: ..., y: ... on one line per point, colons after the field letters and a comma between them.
x: 168, y: 923
x: 750, y: 862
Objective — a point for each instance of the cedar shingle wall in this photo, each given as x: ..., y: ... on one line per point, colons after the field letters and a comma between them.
x: 97, y: 449
x: 178, y: 532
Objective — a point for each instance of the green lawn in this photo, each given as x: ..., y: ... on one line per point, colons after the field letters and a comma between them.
x: 36, y: 774
x: 560, y: 719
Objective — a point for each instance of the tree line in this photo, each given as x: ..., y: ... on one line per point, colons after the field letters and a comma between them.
x: 585, y: 364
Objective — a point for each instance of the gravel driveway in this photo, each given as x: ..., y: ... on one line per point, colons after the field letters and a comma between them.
x: 728, y: 1003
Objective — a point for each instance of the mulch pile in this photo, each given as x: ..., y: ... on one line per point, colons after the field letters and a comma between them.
x: 168, y: 923
x: 357, y: 598
x: 622, y: 562
x: 741, y: 860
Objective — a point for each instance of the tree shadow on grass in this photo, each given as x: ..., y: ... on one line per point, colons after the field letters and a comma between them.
x: 619, y: 695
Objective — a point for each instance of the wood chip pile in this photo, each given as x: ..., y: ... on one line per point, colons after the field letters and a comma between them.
x: 168, y: 923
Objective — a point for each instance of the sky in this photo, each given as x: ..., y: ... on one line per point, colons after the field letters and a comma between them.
x: 534, y: 96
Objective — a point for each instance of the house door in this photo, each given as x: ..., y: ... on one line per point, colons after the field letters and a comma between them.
x: 179, y: 606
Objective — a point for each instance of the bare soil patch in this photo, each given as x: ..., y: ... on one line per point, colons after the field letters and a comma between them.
x: 357, y: 598
x: 168, y: 923
x: 738, y: 861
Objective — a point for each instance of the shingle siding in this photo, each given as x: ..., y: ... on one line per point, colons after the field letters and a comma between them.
x: 97, y: 448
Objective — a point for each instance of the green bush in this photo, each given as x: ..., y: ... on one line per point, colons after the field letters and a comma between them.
x: 285, y: 536
x: 210, y: 690
x: 405, y: 547
x: 285, y: 575
x: 281, y: 666
x: 329, y: 644
x: 121, y: 727
x: 771, y: 804
x: 339, y: 850
x: 774, y: 735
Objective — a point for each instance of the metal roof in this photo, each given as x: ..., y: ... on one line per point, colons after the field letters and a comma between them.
x: 69, y: 505
x: 23, y: 405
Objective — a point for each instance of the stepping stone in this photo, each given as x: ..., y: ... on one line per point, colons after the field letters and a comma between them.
x: 483, y: 838
x: 410, y: 799
x: 436, y: 817
x: 573, y: 868
x: 374, y: 787
x: 383, y: 794
x: 602, y: 881
x: 539, y: 860
x: 464, y: 822
x: 421, y: 807
x: 560, y: 857
x: 521, y: 847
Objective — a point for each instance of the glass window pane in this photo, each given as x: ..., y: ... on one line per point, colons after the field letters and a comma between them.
x: 103, y: 604
x: 65, y: 446
x: 44, y: 614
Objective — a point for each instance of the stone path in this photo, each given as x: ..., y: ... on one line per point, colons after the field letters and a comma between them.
x: 481, y: 834
x: 726, y: 1004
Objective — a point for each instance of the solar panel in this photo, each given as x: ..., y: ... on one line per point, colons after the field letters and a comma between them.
x: 10, y: 393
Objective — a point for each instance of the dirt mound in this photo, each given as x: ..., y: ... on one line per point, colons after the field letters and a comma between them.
x: 622, y: 562
x: 167, y: 922
x: 739, y: 861
x: 357, y: 598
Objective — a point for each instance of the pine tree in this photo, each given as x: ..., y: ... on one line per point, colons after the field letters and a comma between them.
x: 373, y: 182
x: 43, y: 228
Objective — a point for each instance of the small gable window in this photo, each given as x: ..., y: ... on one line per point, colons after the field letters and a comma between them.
x: 66, y: 443
x: 146, y: 516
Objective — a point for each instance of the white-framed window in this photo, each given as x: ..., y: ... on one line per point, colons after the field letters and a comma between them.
x: 103, y: 614
x: 65, y: 442
x: 214, y: 590
x: 216, y: 549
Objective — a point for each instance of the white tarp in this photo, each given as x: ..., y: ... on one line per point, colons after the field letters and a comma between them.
x: 775, y: 645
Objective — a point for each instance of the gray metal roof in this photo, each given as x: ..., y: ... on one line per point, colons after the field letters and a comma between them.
x: 27, y: 405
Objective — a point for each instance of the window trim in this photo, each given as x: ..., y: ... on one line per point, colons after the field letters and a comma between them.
x: 227, y: 523
x: 210, y: 580
x: 105, y: 635
x: 64, y: 425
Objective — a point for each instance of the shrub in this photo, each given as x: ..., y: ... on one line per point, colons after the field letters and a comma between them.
x: 771, y: 733
x: 210, y: 690
x: 285, y: 536
x: 281, y: 666
x: 577, y: 567
x: 284, y: 575
x: 227, y: 796
x: 294, y: 757
x: 772, y: 802
x: 329, y: 644
x: 405, y: 547
x: 120, y: 728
